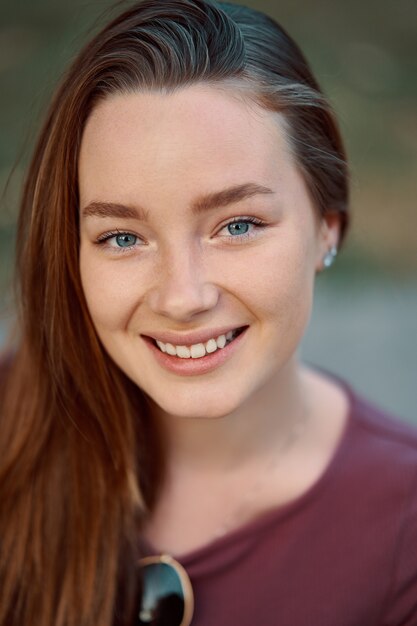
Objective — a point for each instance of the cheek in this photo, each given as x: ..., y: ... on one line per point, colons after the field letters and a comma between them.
x: 277, y: 280
x: 109, y: 295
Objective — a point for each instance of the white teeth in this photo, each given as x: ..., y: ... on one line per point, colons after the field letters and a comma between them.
x: 183, y: 352
x: 221, y: 341
x: 197, y: 350
x: 211, y: 346
x: 171, y: 349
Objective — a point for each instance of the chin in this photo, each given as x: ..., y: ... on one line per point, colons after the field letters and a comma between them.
x: 186, y: 407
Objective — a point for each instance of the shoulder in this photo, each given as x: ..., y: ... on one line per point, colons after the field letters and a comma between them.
x: 371, y: 437
x: 373, y: 430
x: 381, y: 466
x: 385, y: 436
x: 388, y: 446
x: 376, y: 457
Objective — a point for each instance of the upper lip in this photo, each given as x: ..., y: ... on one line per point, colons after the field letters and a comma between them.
x: 188, y: 339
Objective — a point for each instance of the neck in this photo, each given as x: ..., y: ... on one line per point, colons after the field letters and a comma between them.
x: 217, y: 445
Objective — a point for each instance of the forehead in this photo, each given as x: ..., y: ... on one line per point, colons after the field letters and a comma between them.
x: 199, y: 134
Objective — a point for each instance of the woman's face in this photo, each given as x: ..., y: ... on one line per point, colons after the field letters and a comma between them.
x: 195, y: 221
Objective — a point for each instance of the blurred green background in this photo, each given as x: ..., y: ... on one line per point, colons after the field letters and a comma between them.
x: 364, y: 54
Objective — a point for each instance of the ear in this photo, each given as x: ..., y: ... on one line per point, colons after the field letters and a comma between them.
x: 329, y: 234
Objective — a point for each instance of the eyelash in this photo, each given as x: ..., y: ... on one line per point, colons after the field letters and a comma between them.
x: 233, y: 240
x: 105, y: 237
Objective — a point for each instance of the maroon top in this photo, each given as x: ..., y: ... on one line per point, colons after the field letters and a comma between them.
x: 342, y: 554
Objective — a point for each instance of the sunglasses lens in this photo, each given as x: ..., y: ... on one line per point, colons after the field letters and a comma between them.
x: 163, y: 596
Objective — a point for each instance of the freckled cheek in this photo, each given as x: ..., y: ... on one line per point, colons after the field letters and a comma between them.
x: 275, y: 282
x: 110, y: 294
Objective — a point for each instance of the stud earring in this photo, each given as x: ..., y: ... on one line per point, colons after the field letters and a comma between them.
x: 329, y: 257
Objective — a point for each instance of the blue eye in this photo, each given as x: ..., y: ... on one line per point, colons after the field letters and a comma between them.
x: 125, y: 240
x: 238, y: 228
x: 118, y: 241
x: 242, y: 228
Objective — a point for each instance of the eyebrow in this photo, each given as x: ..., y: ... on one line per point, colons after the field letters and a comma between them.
x: 202, y: 204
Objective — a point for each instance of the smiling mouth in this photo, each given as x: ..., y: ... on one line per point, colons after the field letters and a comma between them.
x: 199, y: 350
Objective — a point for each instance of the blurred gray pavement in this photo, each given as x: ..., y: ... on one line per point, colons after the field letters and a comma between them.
x: 368, y: 335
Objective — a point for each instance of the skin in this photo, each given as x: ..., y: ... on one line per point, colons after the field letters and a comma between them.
x: 184, y: 273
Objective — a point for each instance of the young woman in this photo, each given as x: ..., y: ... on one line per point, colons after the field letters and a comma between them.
x: 165, y: 456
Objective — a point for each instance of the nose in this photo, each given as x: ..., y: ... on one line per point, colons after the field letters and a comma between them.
x: 182, y: 289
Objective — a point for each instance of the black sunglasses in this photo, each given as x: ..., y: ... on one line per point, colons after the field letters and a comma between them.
x: 167, y: 595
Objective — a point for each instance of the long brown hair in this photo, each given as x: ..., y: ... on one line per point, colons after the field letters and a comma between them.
x: 80, y: 461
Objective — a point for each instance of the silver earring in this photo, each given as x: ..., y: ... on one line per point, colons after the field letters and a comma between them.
x: 330, y: 256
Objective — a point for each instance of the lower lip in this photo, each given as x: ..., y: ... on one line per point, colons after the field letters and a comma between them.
x: 194, y: 367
